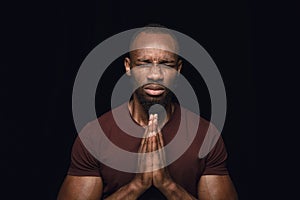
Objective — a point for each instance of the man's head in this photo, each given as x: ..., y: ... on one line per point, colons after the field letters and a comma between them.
x: 153, y: 64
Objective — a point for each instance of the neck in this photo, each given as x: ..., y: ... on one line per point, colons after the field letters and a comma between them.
x: 140, y: 113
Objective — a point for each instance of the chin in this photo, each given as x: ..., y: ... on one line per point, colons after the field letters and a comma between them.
x: 147, y: 101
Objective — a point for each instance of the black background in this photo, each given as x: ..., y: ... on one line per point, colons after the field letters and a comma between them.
x: 43, y: 44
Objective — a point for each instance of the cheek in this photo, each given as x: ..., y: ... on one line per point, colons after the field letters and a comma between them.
x: 169, y: 77
x: 139, y: 76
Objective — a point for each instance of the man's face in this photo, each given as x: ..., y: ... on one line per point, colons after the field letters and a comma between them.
x: 153, y: 66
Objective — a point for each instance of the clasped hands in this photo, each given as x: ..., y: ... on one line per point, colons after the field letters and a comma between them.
x: 152, y: 165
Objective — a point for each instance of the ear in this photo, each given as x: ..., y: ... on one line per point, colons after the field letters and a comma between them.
x: 179, y: 66
x: 127, y: 66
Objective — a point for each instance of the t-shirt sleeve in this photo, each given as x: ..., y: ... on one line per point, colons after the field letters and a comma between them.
x: 82, y: 162
x: 216, y: 160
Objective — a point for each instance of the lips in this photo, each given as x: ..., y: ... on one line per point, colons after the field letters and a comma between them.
x: 154, y: 89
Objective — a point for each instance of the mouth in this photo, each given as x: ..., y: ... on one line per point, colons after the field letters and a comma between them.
x: 154, y: 89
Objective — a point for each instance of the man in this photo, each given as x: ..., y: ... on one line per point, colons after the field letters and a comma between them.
x: 153, y: 65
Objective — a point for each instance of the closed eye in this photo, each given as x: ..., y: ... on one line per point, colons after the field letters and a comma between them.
x: 168, y: 63
x: 148, y: 62
x: 143, y: 61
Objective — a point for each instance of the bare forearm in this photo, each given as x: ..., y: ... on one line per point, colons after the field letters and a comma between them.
x: 216, y: 187
x: 127, y: 192
x: 175, y: 191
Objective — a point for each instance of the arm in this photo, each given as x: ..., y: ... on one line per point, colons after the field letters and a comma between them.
x: 90, y: 188
x: 216, y: 187
x: 130, y: 191
x: 215, y: 182
x: 81, y: 188
x: 210, y: 187
x: 174, y: 191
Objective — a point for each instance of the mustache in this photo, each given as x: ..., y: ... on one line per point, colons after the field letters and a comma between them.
x: 154, y: 86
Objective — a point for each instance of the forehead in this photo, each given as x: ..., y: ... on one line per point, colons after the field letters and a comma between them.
x: 152, y: 54
x: 162, y: 41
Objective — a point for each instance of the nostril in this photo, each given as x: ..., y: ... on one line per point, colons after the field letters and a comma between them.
x: 155, y: 75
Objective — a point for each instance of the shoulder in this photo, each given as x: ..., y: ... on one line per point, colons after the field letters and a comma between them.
x: 110, y: 115
x: 207, y: 134
x: 94, y: 132
x: 190, y: 115
x: 192, y: 119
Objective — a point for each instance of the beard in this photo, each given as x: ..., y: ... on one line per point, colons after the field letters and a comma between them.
x: 148, y: 101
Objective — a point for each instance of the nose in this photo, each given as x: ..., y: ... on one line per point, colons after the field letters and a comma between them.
x: 155, y: 73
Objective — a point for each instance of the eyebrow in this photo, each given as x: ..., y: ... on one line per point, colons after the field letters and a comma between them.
x: 165, y: 60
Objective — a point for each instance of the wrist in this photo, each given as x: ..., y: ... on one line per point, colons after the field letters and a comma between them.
x: 170, y: 191
x: 168, y: 186
x: 136, y: 188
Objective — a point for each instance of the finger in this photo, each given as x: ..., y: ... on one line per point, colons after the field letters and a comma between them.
x: 148, y: 154
x: 144, y: 156
x: 143, y: 140
x: 142, y: 144
x: 146, y: 136
x: 144, y: 161
x: 154, y: 143
x: 155, y: 124
x: 148, y: 145
x: 160, y: 158
x: 161, y: 147
x: 156, y: 157
x: 160, y: 140
x: 155, y: 146
x: 142, y: 151
x: 150, y: 125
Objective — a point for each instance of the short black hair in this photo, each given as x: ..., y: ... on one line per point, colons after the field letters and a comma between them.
x: 154, y: 28
x: 155, y: 25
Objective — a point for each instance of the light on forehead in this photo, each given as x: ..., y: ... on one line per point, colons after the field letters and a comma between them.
x: 160, y: 41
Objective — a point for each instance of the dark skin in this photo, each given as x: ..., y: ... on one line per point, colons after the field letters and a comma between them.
x: 154, y: 63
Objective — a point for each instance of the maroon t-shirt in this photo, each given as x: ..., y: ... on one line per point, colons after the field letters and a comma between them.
x: 91, y: 150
